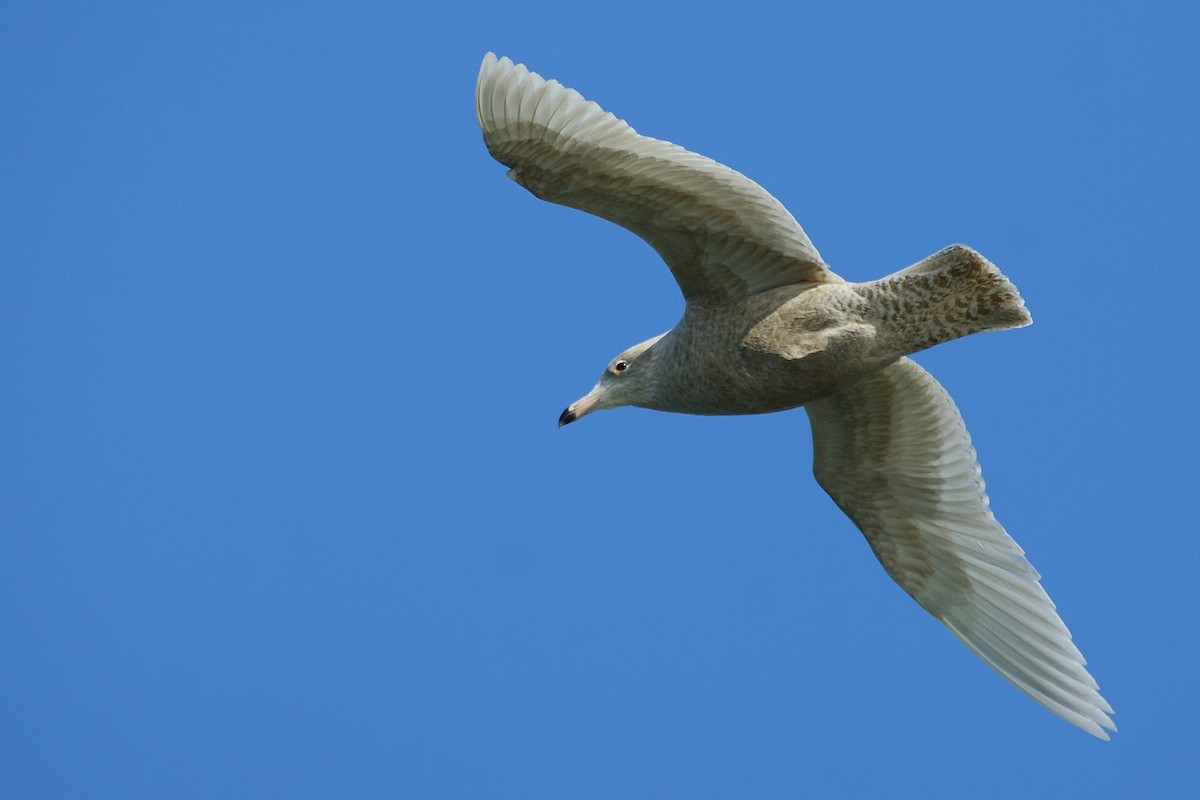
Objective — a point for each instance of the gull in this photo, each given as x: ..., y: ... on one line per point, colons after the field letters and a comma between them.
x: 767, y: 326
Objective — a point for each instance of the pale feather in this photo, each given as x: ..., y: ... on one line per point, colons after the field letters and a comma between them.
x: 894, y: 454
x: 722, y: 235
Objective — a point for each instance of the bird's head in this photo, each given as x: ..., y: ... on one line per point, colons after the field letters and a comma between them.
x: 630, y: 379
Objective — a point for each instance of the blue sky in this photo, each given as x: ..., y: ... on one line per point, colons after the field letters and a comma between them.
x: 284, y: 511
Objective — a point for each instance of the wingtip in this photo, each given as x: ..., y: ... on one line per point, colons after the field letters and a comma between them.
x: 490, y: 86
x: 491, y: 62
x: 1100, y: 728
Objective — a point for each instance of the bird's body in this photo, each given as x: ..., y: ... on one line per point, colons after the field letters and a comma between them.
x: 788, y: 346
x: 768, y: 327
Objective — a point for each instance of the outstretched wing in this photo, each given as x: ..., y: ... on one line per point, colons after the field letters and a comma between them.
x: 894, y: 454
x: 722, y: 235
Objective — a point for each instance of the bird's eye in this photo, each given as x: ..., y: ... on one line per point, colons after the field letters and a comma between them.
x: 620, y: 366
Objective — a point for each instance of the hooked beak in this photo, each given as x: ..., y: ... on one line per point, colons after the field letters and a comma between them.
x: 580, y: 408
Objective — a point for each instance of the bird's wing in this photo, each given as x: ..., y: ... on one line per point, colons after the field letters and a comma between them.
x: 722, y: 235
x: 894, y: 454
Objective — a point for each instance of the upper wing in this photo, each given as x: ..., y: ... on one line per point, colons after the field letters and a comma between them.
x: 721, y: 233
x: 893, y: 453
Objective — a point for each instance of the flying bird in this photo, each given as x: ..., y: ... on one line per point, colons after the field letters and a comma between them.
x: 768, y: 326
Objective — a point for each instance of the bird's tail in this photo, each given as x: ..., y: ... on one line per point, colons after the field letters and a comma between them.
x: 952, y: 293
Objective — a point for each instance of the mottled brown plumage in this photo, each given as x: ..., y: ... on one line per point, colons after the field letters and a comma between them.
x: 768, y: 326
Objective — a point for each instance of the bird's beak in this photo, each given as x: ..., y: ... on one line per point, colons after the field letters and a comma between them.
x: 580, y: 408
